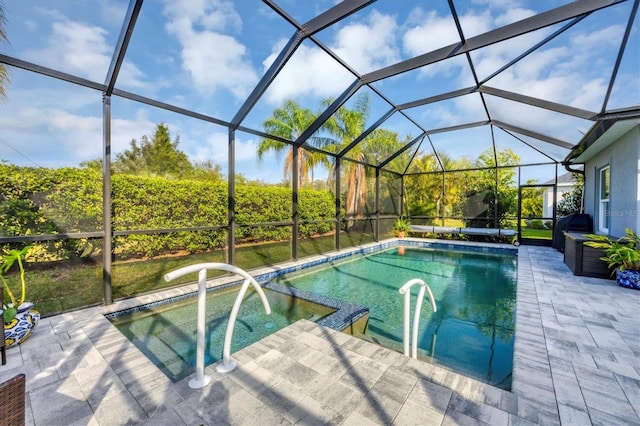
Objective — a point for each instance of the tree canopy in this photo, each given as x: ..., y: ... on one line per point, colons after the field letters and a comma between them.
x: 288, y: 122
x: 572, y: 202
x: 155, y: 155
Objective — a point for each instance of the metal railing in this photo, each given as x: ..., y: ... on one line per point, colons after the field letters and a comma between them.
x: 406, y: 291
x: 201, y: 380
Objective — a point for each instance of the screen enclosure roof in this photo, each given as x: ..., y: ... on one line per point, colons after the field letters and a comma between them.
x: 444, y: 79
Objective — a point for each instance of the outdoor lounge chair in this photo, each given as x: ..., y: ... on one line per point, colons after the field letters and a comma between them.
x: 492, y: 232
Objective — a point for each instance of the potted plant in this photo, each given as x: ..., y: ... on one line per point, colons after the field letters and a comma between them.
x: 623, y: 254
x: 401, y: 227
x: 19, y: 317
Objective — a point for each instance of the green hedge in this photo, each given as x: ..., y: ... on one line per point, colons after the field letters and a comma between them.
x: 36, y: 201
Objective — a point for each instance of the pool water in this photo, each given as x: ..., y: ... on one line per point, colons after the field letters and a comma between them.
x: 167, y: 334
x: 472, y: 331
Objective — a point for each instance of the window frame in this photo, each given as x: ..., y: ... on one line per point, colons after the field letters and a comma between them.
x: 604, y: 175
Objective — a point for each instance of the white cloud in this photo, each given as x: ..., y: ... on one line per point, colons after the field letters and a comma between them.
x: 214, y: 60
x: 592, y: 94
x: 82, y: 50
x: 512, y: 15
x: 246, y: 149
x: 474, y: 24
x: 216, y: 149
x: 540, y: 120
x: 123, y: 130
x: 56, y: 137
x: 112, y: 12
x: 309, y: 72
x: 30, y: 25
x: 53, y: 135
x: 573, y: 74
x: 213, y: 15
x: 217, y: 61
x: 428, y: 31
x: 77, y: 47
x: 368, y: 45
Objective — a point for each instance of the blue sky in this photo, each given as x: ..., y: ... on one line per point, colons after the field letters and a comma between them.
x: 207, y: 55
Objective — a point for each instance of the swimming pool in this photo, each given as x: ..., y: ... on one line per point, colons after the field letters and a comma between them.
x: 473, y: 330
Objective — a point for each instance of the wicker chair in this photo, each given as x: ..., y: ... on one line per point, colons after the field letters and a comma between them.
x: 12, y: 401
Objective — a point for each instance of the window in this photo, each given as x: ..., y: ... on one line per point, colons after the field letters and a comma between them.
x: 603, y: 195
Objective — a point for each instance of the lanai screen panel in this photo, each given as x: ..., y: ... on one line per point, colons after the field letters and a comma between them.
x: 208, y: 57
x: 425, y: 197
x: 626, y: 90
x: 521, y: 153
x: 503, y: 58
x: 343, y: 131
x: 379, y: 146
x: 77, y: 38
x: 464, y: 149
x: 556, y: 126
x: 449, y: 112
x: 477, y: 18
x: 543, y: 174
x: 49, y: 123
x: 295, y: 88
x: 425, y: 82
x: 203, y: 56
x: 390, y: 192
x: 557, y: 153
x: 53, y: 185
x: 575, y: 67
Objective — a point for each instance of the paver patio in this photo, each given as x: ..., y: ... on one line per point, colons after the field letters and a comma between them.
x: 576, y: 362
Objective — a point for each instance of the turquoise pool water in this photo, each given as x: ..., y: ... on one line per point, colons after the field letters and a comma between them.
x: 166, y: 334
x: 473, y: 329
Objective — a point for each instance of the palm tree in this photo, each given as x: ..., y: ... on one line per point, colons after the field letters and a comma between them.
x: 345, y: 126
x: 4, y: 75
x: 288, y: 122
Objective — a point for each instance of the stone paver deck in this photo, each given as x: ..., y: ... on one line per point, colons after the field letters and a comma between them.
x: 576, y: 362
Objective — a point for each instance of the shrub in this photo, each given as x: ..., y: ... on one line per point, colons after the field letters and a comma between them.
x: 42, y: 201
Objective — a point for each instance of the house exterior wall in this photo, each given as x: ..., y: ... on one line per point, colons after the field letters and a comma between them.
x: 623, y: 158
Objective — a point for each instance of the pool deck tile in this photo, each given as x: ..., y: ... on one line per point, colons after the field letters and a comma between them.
x: 576, y: 362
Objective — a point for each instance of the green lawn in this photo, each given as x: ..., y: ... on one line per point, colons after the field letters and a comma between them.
x: 71, y: 285
x: 541, y: 234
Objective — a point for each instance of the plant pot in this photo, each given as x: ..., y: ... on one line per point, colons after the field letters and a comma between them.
x: 629, y: 278
x: 26, y: 306
x: 20, y: 328
x: 400, y: 234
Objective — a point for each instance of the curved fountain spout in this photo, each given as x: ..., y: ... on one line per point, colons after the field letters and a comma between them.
x: 405, y: 290
x: 201, y: 380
